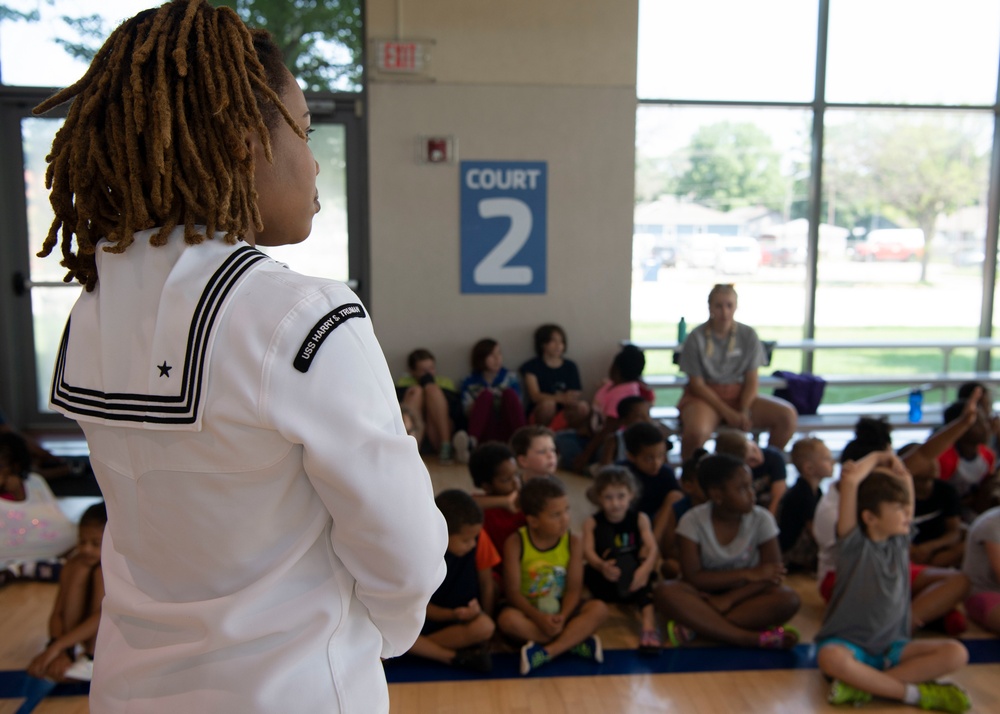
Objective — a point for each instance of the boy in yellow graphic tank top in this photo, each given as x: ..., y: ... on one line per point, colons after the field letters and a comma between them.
x: 543, y: 582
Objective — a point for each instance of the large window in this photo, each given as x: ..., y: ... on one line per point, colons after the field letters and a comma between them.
x: 733, y: 120
x: 65, y: 34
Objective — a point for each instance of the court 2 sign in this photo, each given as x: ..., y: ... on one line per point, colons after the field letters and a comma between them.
x: 503, y: 226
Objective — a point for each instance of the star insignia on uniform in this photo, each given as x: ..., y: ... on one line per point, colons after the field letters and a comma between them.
x: 164, y: 369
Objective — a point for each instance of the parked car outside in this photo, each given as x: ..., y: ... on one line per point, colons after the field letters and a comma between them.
x: 891, y: 244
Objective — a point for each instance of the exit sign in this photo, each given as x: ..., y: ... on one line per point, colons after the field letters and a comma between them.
x: 400, y: 56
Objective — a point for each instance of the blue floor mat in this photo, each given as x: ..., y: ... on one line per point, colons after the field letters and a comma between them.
x: 407, y: 669
x: 683, y: 660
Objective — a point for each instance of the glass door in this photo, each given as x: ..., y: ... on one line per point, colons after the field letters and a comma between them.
x: 37, y: 302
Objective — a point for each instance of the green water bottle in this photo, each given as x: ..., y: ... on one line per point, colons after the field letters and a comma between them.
x: 682, y: 331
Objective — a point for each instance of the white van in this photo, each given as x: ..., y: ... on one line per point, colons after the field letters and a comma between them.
x: 737, y: 255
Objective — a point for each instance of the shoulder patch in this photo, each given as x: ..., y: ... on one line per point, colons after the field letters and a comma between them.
x: 323, y: 329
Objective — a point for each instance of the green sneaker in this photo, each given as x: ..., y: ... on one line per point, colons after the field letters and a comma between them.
x: 679, y: 635
x: 590, y: 648
x: 446, y: 455
x: 532, y: 657
x: 841, y: 693
x: 943, y: 697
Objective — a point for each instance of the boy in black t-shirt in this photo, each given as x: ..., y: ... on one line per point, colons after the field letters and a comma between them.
x: 458, y: 627
x: 814, y: 462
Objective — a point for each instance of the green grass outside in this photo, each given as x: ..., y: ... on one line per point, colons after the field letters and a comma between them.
x: 861, y: 361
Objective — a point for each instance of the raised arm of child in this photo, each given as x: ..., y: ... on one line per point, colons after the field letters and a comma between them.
x: 55, y: 660
x: 552, y: 624
x: 852, y: 473
x: 507, y: 502
x: 943, y: 439
x: 607, y: 568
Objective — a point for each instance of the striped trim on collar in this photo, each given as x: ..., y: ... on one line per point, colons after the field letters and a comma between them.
x: 159, y: 409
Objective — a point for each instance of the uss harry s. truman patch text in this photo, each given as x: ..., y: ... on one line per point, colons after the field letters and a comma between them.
x: 323, y: 329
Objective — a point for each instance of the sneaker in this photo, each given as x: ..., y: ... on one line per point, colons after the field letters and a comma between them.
x: 779, y: 638
x: 477, y: 659
x: 445, y: 455
x: 841, y: 693
x: 590, y: 648
x: 532, y: 657
x: 462, y: 444
x: 82, y: 669
x: 943, y: 697
x: 650, y: 643
x: 679, y: 635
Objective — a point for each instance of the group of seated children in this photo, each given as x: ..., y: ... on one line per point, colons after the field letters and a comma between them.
x: 493, y: 402
x: 723, y: 555
x: 540, y: 573
x: 544, y: 567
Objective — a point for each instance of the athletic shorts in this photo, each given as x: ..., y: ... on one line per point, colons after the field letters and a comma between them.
x: 887, y: 660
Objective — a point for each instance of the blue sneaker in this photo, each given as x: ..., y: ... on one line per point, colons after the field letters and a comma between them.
x: 532, y: 657
x: 590, y: 648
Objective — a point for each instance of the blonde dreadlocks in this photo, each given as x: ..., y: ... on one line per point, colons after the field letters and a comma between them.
x: 156, y: 134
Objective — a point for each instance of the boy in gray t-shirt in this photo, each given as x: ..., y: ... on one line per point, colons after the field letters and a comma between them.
x: 864, y: 643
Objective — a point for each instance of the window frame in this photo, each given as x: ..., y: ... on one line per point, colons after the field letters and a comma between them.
x: 819, y: 107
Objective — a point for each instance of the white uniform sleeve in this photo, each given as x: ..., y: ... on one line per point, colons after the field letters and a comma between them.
x: 343, y: 410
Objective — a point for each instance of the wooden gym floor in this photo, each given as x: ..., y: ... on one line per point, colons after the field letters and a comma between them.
x: 699, y: 679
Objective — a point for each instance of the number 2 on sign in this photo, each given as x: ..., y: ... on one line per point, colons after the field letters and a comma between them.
x: 493, y: 268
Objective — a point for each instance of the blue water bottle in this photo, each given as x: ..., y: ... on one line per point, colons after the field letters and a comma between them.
x: 916, y: 406
x: 682, y: 331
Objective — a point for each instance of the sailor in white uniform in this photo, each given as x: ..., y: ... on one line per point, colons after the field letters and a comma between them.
x: 271, y: 528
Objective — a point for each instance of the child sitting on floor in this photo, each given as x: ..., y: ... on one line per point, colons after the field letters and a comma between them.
x: 937, y: 517
x: 435, y: 402
x: 543, y: 580
x: 458, y: 627
x: 34, y: 534
x: 552, y: 383
x: 767, y: 465
x: 646, y: 450
x: 982, y: 567
x: 969, y: 463
x: 631, y: 410
x: 864, y: 644
x: 935, y: 591
x: 77, y: 609
x: 619, y: 550
x: 624, y: 380
x: 814, y: 462
x: 494, y: 470
x: 534, y: 448
x: 731, y: 590
x: 491, y: 396
x: 670, y: 517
